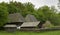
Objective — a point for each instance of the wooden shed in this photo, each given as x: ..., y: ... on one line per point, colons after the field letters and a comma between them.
x: 15, y: 19
x: 29, y: 25
x: 10, y: 28
x: 30, y: 18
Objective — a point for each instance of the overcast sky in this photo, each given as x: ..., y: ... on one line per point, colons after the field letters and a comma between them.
x: 37, y: 3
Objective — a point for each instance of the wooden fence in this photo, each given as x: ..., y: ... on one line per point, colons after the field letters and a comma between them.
x: 40, y: 29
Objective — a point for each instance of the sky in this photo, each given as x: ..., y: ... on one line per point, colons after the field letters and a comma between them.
x: 38, y: 3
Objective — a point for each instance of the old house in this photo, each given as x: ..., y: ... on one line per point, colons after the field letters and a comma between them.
x: 10, y: 28
x: 29, y: 25
x: 30, y: 18
x: 15, y: 19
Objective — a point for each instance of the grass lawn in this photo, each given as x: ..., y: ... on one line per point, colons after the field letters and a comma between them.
x: 31, y: 33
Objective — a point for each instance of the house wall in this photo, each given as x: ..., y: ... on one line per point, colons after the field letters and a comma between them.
x: 10, y: 29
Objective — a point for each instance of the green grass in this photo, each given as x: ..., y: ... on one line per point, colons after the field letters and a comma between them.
x: 31, y: 33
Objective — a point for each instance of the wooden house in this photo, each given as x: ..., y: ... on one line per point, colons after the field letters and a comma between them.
x: 29, y: 25
x: 15, y: 19
x: 32, y: 18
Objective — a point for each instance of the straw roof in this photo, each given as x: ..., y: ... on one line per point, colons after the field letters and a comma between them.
x: 47, y: 24
x: 10, y: 26
x: 16, y: 17
x: 30, y: 24
x: 30, y: 18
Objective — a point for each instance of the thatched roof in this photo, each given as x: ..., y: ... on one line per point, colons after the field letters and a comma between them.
x: 16, y: 17
x: 10, y: 26
x: 30, y: 24
x: 47, y: 24
x: 30, y: 18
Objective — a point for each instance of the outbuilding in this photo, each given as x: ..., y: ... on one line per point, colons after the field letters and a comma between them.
x: 15, y: 19
x: 30, y: 25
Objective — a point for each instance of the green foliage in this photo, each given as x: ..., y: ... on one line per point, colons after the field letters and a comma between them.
x: 3, y: 15
x: 47, y: 13
x: 42, y: 14
x: 12, y: 8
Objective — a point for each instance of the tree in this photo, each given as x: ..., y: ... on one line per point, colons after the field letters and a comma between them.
x: 29, y: 8
x: 42, y: 12
x: 12, y: 8
x: 46, y: 13
x: 59, y: 4
x: 3, y: 15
